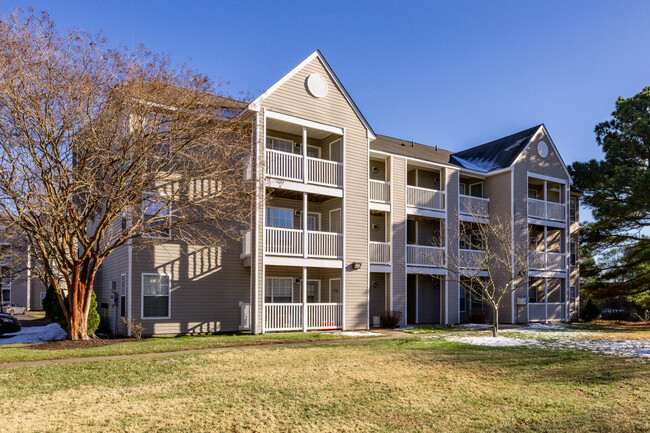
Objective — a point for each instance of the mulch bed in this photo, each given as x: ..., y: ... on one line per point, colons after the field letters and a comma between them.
x: 80, y: 344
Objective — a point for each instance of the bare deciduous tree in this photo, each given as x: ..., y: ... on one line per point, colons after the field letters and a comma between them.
x: 488, y: 265
x: 102, y: 147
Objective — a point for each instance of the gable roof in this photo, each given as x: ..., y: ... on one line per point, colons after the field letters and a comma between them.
x: 497, y: 154
x: 316, y: 54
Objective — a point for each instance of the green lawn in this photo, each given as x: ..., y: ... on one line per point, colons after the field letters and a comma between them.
x: 410, y: 384
x: 22, y: 352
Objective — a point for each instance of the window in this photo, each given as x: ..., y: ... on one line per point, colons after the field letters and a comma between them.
x: 573, y: 257
x: 276, y: 217
x: 155, y: 296
x: 280, y: 145
x: 313, y: 291
x: 278, y: 290
x: 5, y: 282
x: 157, y: 214
x: 536, y: 290
x: 43, y: 294
x: 573, y: 207
x: 312, y: 151
x: 572, y: 293
x: 461, y: 188
x: 476, y: 189
x: 532, y: 193
x: 313, y: 221
x: 123, y: 295
x: 463, y: 298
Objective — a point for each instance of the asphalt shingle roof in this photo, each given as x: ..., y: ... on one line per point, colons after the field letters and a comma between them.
x: 486, y: 157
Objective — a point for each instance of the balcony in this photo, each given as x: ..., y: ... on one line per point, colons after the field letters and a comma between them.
x: 545, y: 261
x: 471, y: 259
x: 379, y: 191
x: 289, y: 316
x: 290, y: 242
x: 547, y: 210
x: 421, y: 255
x: 379, y: 253
x: 289, y: 166
x: 473, y: 206
x: 425, y: 198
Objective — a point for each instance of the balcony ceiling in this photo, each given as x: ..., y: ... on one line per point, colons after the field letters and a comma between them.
x: 290, y: 128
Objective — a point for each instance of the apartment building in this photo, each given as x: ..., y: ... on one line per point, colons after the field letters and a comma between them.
x: 346, y: 224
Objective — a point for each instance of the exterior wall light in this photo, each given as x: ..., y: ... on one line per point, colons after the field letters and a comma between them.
x: 356, y: 266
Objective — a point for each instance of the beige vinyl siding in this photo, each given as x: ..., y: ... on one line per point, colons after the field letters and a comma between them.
x: 207, y: 284
x: 530, y: 161
x: 292, y: 98
x: 498, y: 189
x: 450, y: 299
x: 428, y: 299
x: 110, y: 270
x: 398, y: 210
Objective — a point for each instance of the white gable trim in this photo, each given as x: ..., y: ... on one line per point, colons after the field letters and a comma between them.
x: 255, y: 105
x: 543, y: 128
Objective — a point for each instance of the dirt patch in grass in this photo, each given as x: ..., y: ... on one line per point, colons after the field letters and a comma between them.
x: 635, y: 325
x: 80, y: 344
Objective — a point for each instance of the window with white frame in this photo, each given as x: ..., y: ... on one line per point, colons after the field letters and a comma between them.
x: 123, y: 295
x: 532, y: 193
x: 573, y: 209
x: 5, y: 282
x: 573, y: 256
x: 572, y: 293
x: 278, y: 290
x: 156, y: 213
x: 279, y: 144
x: 463, y: 298
x: 276, y: 217
x: 156, y: 296
x: 476, y: 189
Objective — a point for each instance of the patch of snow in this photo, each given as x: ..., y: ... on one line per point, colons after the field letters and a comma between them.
x: 478, y: 164
x: 494, y: 341
x: 35, y: 334
x: 474, y: 326
x: 515, y: 144
x: 544, y: 327
x: 354, y: 333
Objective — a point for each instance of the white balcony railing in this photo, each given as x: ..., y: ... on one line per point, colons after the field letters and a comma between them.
x: 324, y: 172
x: 324, y: 244
x: 282, y: 317
x: 283, y: 165
x: 289, y: 166
x: 420, y: 255
x: 474, y: 206
x: 324, y: 316
x: 379, y: 253
x: 545, y: 261
x: 379, y: 191
x: 289, y: 242
x: 546, y: 210
x: 284, y: 242
x: 472, y: 259
x: 425, y: 198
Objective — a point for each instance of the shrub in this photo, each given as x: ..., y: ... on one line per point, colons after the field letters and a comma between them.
x: 54, y: 312
x: 589, y: 311
x: 135, y: 327
x: 390, y: 319
x: 478, y: 315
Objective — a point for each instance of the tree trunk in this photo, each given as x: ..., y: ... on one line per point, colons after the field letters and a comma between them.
x: 75, y: 318
x: 495, y: 321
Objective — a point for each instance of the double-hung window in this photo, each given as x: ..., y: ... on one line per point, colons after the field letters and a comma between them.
x: 278, y: 290
x: 123, y: 295
x: 156, y: 296
x: 280, y: 145
x: 573, y: 206
x: 573, y: 257
x: 156, y: 213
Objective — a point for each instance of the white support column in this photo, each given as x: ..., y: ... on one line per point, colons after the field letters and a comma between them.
x: 304, y: 155
x: 304, y: 298
x: 545, y: 200
x: 304, y: 224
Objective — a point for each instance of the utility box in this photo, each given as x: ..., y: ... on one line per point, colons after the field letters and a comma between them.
x: 521, y: 301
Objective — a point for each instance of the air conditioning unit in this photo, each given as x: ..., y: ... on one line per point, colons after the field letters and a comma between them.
x: 521, y: 301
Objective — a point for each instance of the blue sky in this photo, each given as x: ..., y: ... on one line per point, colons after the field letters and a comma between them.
x: 452, y: 74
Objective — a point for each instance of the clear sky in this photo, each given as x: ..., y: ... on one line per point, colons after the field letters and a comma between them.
x: 452, y: 74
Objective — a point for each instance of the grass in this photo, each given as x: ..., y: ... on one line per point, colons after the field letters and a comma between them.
x: 411, y: 384
x: 22, y: 352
